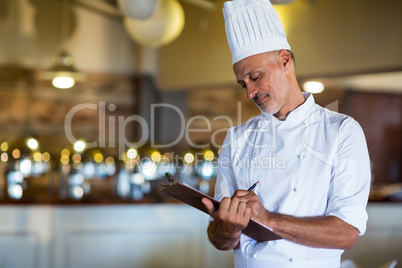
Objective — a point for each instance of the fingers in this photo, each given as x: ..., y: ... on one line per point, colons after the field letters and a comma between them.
x: 247, y: 204
x: 242, y: 209
x: 247, y: 213
x: 237, y: 211
x: 245, y: 196
x: 208, y: 205
x: 233, y: 206
x: 227, y: 206
x: 241, y: 193
x: 253, y: 203
x: 232, y: 213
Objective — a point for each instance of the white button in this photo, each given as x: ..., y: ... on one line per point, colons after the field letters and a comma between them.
x: 255, y: 256
x: 301, y: 156
x: 291, y: 260
x: 295, y: 189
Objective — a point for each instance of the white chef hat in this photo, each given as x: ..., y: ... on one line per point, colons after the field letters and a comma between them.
x: 253, y: 27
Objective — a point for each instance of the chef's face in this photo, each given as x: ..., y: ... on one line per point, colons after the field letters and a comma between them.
x: 263, y: 78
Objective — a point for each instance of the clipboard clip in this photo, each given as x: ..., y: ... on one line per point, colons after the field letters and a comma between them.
x: 170, y: 178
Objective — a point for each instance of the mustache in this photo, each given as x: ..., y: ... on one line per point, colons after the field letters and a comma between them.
x: 259, y: 95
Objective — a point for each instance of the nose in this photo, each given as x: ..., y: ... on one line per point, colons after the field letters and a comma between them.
x: 251, y: 91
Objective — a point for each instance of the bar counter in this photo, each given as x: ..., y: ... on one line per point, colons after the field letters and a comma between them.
x: 149, y: 235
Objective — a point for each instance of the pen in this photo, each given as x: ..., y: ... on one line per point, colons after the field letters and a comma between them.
x: 253, y: 186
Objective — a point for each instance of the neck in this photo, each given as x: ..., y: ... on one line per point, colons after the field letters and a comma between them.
x: 296, y: 99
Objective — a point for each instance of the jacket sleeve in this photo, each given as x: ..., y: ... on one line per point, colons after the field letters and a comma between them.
x: 350, y: 183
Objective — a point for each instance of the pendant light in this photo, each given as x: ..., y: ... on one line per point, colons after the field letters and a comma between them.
x: 162, y: 27
x: 62, y: 73
x: 137, y: 9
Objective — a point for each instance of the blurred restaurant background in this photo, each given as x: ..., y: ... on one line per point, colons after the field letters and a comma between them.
x: 100, y: 98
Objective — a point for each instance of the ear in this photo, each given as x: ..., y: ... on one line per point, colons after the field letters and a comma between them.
x: 285, y: 59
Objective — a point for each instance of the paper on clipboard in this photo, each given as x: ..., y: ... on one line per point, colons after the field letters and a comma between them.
x: 193, y: 198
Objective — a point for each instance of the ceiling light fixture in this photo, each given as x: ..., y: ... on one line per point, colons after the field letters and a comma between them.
x: 161, y: 28
x: 63, y: 74
x: 137, y: 9
x: 313, y: 86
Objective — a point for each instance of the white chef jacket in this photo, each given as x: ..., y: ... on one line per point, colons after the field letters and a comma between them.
x: 314, y: 163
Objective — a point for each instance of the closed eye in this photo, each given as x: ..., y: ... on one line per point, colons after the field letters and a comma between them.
x: 255, y: 78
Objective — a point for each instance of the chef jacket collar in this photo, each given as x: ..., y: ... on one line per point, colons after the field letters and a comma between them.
x: 301, y: 112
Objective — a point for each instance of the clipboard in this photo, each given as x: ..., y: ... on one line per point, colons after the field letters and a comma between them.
x: 192, y: 197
